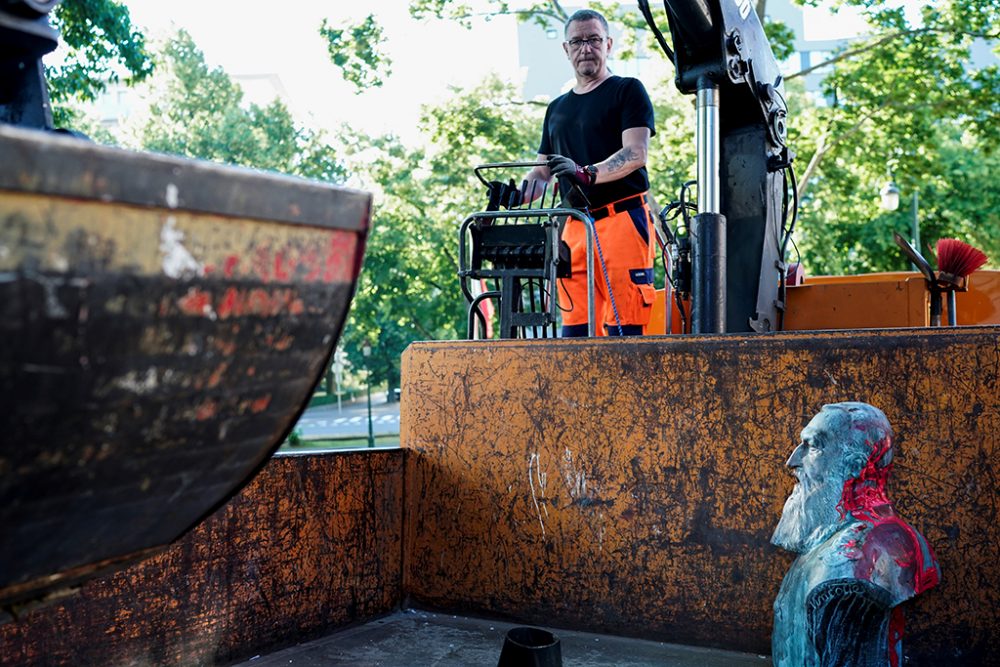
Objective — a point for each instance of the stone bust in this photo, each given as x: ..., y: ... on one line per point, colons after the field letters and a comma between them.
x: 858, y: 560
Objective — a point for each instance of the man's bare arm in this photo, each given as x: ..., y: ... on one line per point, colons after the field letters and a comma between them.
x: 632, y: 156
x: 536, y: 180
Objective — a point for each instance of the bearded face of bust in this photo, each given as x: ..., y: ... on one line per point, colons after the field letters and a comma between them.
x: 833, y: 449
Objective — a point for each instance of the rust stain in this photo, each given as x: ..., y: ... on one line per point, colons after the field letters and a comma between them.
x: 632, y: 486
x: 224, y: 346
x: 216, y: 377
x: 311, y: 545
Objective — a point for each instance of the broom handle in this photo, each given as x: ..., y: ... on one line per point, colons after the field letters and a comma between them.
x: 952, y: 310
x: 935, y: 308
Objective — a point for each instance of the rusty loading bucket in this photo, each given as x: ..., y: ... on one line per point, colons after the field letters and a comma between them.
x: 530, y: 647
x: 162, y: 324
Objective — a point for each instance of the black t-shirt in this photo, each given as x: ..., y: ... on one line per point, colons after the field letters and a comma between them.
x: 588, y: 129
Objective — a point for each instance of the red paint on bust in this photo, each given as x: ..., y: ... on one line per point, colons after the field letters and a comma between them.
x: 896, y: 627
x: 865, y: 499
x: 867, y: 491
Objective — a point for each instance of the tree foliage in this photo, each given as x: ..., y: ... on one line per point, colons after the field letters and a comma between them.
x: 201, y: 113
x: 904, y: 103
x: 103, y: 47
x: 409, y: 288
x: 356, y: 51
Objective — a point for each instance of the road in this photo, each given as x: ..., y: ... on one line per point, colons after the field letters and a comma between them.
x: 327, y: 421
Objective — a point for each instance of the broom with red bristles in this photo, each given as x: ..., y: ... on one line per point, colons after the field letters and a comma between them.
x: 956, y: 261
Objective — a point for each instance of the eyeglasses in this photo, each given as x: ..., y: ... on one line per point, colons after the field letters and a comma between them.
x: 593, y: 42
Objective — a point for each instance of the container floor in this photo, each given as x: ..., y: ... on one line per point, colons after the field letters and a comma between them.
x: 415, y: 638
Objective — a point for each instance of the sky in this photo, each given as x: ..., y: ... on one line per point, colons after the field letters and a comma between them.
x: 251, y: 37
x: 254, y: 38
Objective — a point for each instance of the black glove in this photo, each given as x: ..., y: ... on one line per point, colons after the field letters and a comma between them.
x: 503, y: 194
x: 564, y: 167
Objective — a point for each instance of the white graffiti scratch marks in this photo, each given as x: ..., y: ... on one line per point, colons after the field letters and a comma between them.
x: 575, y: 479
x: 533, y: 462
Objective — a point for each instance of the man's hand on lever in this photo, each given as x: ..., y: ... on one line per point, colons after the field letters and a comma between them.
x: 562, y: 166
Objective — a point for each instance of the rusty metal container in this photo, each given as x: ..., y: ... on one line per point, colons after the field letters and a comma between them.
x: 162, y: 324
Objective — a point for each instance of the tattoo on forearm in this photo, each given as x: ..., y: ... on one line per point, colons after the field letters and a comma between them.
x: 618, y: 161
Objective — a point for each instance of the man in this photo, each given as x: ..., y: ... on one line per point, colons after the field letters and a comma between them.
x: 596, y: 137
x: 858, y: 560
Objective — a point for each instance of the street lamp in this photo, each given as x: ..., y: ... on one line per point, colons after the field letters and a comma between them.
x: 366, y: 352
x: 890, y: 196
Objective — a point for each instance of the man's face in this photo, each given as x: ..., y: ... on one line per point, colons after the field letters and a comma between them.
x: 587, y: 56
x: 810, y: 514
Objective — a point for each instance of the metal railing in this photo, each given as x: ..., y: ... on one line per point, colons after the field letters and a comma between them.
x: 548, y: 222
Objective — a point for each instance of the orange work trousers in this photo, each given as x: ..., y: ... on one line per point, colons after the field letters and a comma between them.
x: 626, y: 245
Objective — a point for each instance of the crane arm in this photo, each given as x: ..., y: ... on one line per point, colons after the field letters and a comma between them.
x: 721, y: 54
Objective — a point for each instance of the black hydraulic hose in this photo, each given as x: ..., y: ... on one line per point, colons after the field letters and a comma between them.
x: 533, y: 306
x: 651, y: 22
x: 475, y: 313
x: 683, y: 313
x: 795, y: 210
x: 789, y: 175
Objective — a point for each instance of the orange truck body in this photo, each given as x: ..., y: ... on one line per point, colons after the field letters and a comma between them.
x: 867, y: 301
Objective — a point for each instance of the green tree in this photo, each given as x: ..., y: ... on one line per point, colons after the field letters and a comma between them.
x: 201, y: 114
x: 355, y: 50
x: 905, y: 103
x: 409, y: 288
x: 102, y: 47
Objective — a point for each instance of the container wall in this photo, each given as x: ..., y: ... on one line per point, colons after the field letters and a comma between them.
x: 312, y: 544
x: 632, y: 486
